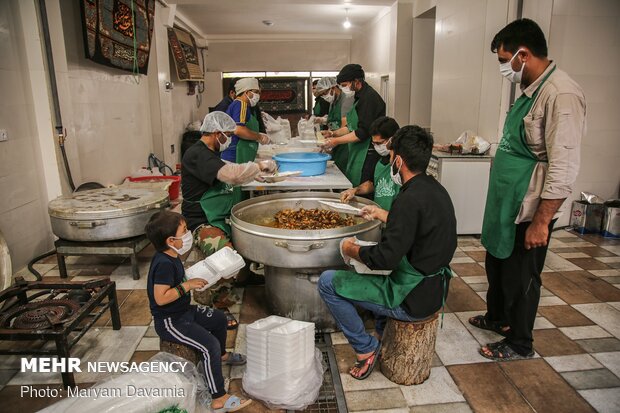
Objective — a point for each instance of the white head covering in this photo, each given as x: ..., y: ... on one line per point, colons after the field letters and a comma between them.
x: 325, y: 83
x: 247, y: 83
x: 218, y: 122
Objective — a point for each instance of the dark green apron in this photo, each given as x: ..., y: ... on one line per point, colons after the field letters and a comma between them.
x: 216, y: 204
x: 340, y: 154
x: 357, y: 151
x: 510, y: 178
x: 385, y: 189
x: 386, y: 290
x: 246, y: 152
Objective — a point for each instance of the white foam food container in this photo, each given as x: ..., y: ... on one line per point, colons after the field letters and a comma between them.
x: 224, y: 263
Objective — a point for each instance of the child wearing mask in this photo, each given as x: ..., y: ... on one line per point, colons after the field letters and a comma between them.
x: 199, y: 327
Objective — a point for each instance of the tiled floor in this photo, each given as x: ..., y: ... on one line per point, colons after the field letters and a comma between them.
x: 577, y: 339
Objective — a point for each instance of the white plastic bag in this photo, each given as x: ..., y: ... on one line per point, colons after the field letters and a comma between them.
x: 360, y: 267
x: 305, y: 128
x: 188, y: 382
x: 472, y: 143
x: 293, y: 390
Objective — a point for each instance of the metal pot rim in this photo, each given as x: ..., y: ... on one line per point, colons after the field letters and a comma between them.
x: 268, y: 232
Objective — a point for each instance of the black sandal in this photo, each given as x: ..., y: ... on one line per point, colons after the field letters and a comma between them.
x: 501, y: 351
x: 231, y: 321
x: 370, y: 361
x: 483, y: 323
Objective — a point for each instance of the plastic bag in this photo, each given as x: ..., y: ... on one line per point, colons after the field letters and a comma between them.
x: 472, y: 144
x: 286, y: 128
x: 293, y: 390
x: 360, y: 267
x: 305, y: 128
x: 181, y: 390
x: 591, y: 198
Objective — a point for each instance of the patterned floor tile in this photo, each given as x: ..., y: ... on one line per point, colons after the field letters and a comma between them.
x: 591, y: 379
x: 573, y: 255
x: 478, y: 256
x: 376, y: 380
x: 148, y: 344
x: 441, y: 408
x: 556, y: 263
x: 583, y: 332
x: 589, y: 263
x: 468, y: 269
x: 609, y: 260
x: 550, y: 301
x: 566, y: 290
x: 374, y: 400
x: 438, y: 388
x: 600, y: 345
x: 479, y: 287
x: 602, y: 314
x: 482, y: 336
x: 615, y: 249
x: 564, y: 316
x: 135, y: 309
x: 463, y: 298
x: 541, y: 323
x: 603, y: 400
x: 476, y: 279
x: 455, y: 344
x: 596, y: 251
x: 605, y: 273
x: 576, y: 362
x: 593, y: 284
x: 552, y: 342
x: 461, y: 260
x: 610, y: 360
x: 487, y: 389
x: 531, y: 376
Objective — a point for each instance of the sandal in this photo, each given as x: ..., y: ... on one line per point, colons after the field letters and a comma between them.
x: 482, y: 322
x: 501, y: 351
x: 232, y: 323
x: 233, y: 404
x: 370, y: 362
x: 235, y: 359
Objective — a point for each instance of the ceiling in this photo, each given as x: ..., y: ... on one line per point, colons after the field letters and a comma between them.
x: 222, y: 18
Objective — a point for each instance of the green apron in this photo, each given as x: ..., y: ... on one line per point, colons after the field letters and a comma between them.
x: 216, y: 204
x: 510, y: 178
x: 357, y: 151
x: 340, y: 154
x: 386, y: 290
x: 385, y: 189
x: 246, y: 152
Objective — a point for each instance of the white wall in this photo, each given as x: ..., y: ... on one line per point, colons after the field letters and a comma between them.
x: 370, y: 48
x: 23, y: 204
x: 583, y: 40
x: 422, y: 55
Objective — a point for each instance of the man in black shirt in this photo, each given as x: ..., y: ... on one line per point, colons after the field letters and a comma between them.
x: 417, y: 245
x: 368, y: 106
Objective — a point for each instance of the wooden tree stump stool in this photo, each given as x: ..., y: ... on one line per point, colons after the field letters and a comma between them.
x: 408, y: 350
x: 180, y: 350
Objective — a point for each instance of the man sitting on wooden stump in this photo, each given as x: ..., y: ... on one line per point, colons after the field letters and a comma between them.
x: 417, y: 245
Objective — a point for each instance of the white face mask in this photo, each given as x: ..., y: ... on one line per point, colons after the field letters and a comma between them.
x: 329, y: 98
x: 254, y: 99
x: 226, y: 144
x: 395, y: 175
x: 505, y: 69
x: 382, y: 149
x: 188, y: 241
x: 347, y: 90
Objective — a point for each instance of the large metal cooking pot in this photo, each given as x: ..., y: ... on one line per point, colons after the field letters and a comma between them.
x: 105, y: 214
x: 293, y: 248
x: 295, y: 259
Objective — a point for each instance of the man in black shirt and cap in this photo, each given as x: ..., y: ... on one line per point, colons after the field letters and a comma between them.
x: 368, y: 106
x: 417, y: 246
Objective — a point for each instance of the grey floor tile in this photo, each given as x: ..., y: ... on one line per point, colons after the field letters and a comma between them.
x: 591, y: 379
x: 376, y: 380
x: 602, y: 314
x: 600, y: 345
x: 573, y: 363
x: 438, y: 388
x: 603, y: 400
x: 583, y: 332
x: 442, y: 408
x: 455, y: 344
x: 376, y: 399
x: 610, y: 360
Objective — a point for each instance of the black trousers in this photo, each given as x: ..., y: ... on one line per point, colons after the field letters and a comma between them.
x: 514, y: 289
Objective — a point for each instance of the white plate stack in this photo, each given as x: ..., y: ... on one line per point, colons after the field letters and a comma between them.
x: 278, y: 346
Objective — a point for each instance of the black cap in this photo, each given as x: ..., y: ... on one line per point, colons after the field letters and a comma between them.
x: 350, y: 72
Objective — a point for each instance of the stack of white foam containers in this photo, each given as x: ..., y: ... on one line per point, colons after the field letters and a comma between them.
x: 278, y: 348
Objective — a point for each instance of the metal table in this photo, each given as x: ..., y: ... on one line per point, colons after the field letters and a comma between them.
x: 332, y: 179
x: 126, y: 247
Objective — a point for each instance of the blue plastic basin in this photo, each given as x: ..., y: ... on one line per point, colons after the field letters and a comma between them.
x: 309, y: 163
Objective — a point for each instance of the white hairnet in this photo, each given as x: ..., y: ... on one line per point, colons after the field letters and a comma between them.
x: 247, y: 83
x: 325, y: 83
x: 218, y: 122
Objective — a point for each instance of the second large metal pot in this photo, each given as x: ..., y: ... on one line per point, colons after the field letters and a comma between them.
x: 286, y: 248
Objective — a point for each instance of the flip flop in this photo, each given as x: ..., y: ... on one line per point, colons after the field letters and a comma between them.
x: 233, y: 404
x: 370, y: 361
x: 235, y: 359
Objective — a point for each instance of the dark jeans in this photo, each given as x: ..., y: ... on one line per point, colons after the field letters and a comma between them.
x: 203, y: 329
x: 514, y: 289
